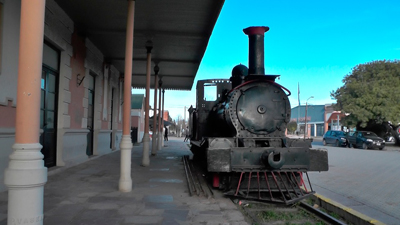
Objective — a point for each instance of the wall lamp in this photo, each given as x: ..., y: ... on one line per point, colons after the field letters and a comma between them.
x: 79, y: 79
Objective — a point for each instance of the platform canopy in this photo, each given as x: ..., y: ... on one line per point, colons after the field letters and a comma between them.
x: 179, y: 30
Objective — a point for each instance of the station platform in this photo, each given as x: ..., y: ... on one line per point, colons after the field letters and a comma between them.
x: 87, y: 194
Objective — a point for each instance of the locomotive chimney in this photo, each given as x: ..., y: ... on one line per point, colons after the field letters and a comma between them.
x: 256, y: 49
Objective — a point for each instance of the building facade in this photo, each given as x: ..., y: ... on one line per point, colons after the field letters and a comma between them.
x: 312, y: 116
x: 319, y: 119
x: 81, y: 94
x: 137, y: 117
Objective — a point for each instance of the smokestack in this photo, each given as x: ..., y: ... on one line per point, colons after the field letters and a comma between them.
x: 256, y: 49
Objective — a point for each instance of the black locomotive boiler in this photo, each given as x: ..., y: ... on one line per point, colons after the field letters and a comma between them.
x: 239, y: 132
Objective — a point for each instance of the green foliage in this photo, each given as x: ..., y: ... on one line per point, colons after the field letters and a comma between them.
x: 292, y: 126
x: 371, y: 92
x: 290, y: 217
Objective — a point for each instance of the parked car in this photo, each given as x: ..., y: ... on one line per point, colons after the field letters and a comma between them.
x: 365, y: 140
x: 335, y: 137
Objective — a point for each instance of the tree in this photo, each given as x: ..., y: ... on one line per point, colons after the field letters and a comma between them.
x: 370, y: 94
x: 292, y: 126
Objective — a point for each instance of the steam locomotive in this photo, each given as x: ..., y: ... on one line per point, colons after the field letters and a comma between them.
x: 239, y: 133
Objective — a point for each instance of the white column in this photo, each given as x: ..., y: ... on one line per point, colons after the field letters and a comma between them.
x: 162, y: 120
x: 146, y: 136
x: 315, y: 130
x: 26, y: 175
x: 338, y: 124
x: 155, y: 128
x: 160, y: 113
x: 125, y: 181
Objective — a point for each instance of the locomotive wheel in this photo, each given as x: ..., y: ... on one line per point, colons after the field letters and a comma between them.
x: 324, y: 142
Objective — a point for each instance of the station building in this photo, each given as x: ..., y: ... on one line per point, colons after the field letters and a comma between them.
x: 67, y: 68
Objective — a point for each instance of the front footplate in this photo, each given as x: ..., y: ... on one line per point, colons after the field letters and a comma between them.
x: 239, y: 159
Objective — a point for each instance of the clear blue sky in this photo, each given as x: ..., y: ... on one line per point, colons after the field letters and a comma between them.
x: 313, y: 43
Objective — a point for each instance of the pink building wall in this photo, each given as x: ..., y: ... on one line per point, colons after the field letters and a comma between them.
x: 104, y: 123
x: 76, y: 109
x: 7, y: 118
x: 135, y: 121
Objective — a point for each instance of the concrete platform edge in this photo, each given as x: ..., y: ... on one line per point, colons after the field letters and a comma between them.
x: 347, y: 213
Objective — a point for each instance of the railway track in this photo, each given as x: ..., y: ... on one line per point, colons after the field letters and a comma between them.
x: 301, y: 213
x: 195, y: 177
x: 258, y: 212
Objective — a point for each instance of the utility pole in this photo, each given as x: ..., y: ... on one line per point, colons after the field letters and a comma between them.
x: 305, y: 127
x: 298, y: 108
x: 184, y: 117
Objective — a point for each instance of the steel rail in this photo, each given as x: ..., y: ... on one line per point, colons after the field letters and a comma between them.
x: 196, y: 180
x: 189, y: 176
x: 324, y: 216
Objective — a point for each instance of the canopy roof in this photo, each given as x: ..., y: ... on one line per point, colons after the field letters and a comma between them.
x: 179, y: 30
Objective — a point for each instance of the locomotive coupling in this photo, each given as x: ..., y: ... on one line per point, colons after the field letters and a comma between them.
x: 273, y: 160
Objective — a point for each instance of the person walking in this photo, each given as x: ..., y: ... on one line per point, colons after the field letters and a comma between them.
x: 187, y: 137
x: 166, y: 134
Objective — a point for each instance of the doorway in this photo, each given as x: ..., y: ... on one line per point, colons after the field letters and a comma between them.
x: 49, y: 104
x: 48, y: 116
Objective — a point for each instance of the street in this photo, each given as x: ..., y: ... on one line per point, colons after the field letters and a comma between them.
x: 364, y: 180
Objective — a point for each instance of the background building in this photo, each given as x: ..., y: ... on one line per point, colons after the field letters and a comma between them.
x: 320, y: 118
x: 315, y: 119
x: 137, y: 117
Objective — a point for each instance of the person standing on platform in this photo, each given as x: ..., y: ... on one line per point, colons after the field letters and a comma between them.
x: 187, y: 137
x: 166, y: 134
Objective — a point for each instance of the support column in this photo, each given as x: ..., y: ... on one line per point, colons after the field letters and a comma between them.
x: 338, y: 125
x: 125, y: 181
x: 315, y: 130
x: 160, y: 114
x: 163, y: 94
x: 146, y: 136
x: 155, y: 128
x: 26, y: 175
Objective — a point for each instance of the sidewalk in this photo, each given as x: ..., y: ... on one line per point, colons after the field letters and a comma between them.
x: 88, y: 193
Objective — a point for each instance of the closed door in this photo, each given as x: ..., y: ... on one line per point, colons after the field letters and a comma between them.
x: 48, y: 115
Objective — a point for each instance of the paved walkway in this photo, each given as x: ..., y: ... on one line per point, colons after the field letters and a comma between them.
x: 364, y: 180
x: 88, y: 193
